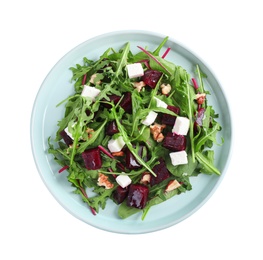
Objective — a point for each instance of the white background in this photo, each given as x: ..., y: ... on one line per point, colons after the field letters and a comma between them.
x: 36, y: 34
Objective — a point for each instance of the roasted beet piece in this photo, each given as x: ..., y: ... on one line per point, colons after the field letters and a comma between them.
x: 67, y: 139
x: 120, y: 194
x: 137, y: 196
x: 126, y: 102
x: 131, y: 162
x: 161, y: 172
x: 151, y: 77
x: 169, y: 119
x: 92, y: 159
x: 112, y: 128
x: 174, y: 142
x: 113, y: 98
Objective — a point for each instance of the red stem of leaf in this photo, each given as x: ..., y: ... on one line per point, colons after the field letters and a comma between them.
x: 120, y: 165
x: 114, y: 175
x: 195, y: 83
x: 106, y: 152
x: 84, y: 79
x: 63, y: 169
x: 146, y: 62
x: 166, y: 52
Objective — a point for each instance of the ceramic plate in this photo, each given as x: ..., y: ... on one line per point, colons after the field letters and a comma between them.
x: 57, y: 86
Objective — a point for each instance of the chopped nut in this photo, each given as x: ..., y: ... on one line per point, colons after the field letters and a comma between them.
x: 103, y: 181
x: 156, y: 131
x: 166, y: 88
x: 160, y: 138
x: 145, y: 178
x: 120, y: 153
x: 172, y: 185
x: 200, y: 98
x: 89, y: 131
x: 139, y: 85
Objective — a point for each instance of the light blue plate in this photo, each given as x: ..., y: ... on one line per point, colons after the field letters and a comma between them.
x: 57, y: 86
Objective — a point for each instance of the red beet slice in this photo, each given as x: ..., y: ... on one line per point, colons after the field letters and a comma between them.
x: 161, y: 172
x: 67, y: 139
x: 174, y: 142
x: 169, y: 119
x: 151, y: 77
x: 120, y: 194
x: 137, y: 196
x: 112, y: 128
x: 92, y: 159
x: 126, y: 102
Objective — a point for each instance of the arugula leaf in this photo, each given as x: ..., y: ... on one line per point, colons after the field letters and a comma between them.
x: 206, y: 159
x: 123, y: 60
x: 158, y: 49
x: 99, y: 201
x: 208, y: 134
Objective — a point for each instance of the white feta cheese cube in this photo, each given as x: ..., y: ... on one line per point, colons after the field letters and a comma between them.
x: 135, y: 70
x: 160, y: 103
x: 178, y: 158
x: 150, y: 118
x: 115, y: 145
x: 91, y: 92
x: 181, y: 125
x: 123, y: 180
x: 68, y: 133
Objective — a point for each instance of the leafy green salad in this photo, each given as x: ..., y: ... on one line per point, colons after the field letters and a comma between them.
x: 135, y: 131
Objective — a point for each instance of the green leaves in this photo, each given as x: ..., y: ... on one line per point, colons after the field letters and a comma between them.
x: 123, y: 60
x: 88, y: 119
x: 206, y: 160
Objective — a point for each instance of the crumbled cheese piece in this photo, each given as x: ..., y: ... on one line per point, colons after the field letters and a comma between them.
x: 91, y: 92
x: 181, y: 125
x: 67, y: 131
x: 115, y: 145
x: 123, y: 180
x: 178, y: 158
x: 160, y: 103
x: 150, y: 118
x: 135, y: 70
